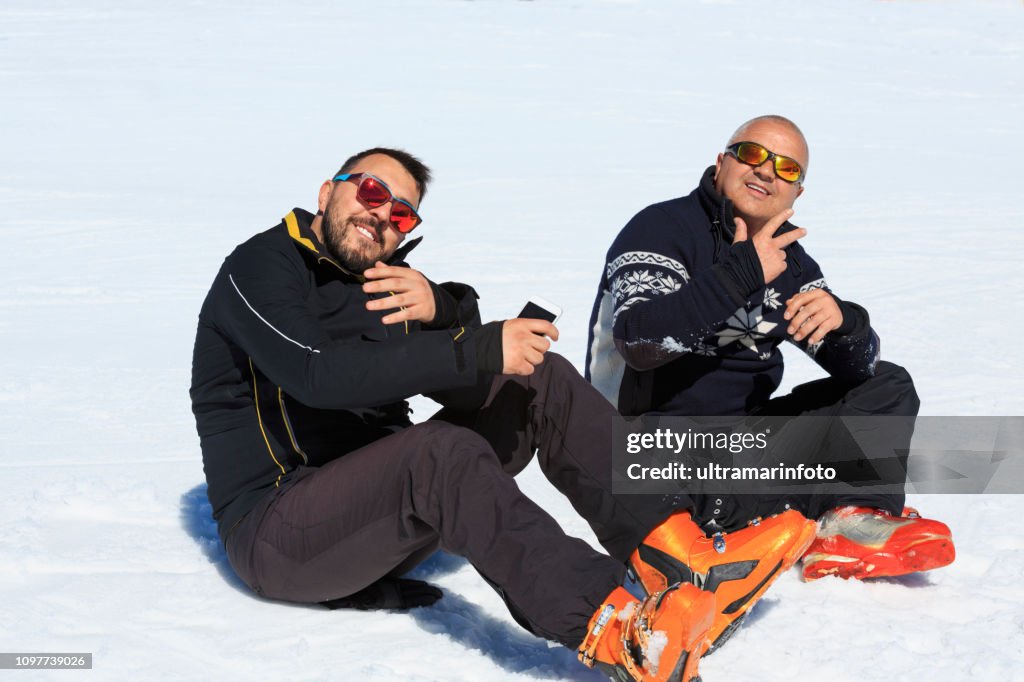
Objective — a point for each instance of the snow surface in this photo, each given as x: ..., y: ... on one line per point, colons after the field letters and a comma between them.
x: 142, y: 141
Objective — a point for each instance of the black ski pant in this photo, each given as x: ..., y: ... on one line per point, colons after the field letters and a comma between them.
x: 381, y: 509
x: 889, y: 393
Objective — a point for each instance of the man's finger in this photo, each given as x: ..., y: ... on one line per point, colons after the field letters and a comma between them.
x: 539, y: 343
x: 388, y: 302
x: 400, y: 316
x: 784, y: 240
x: 806, y: 330
x: 795, y: 324
x: 801, y: 317
x: 822, y: 331
x: 800, y: 300
x: 819, y: 323
x: 802, y: 326
x: 740, y: 234
x: 815, y: 330
x: 389, y: 284
x: 542, y: 327
x: 793, y: 306
x: 772, y: 226
x: 381, y: 270
x: 533, y: 357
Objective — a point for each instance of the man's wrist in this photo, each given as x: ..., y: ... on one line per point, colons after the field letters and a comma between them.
x: 446, y: 308
x: 741, y: 272
x: 856, y: 320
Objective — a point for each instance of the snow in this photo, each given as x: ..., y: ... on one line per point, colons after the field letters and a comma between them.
x: 656, y: 644
x: 142, y: 141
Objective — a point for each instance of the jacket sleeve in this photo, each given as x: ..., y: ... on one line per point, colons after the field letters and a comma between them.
x: 458, y: 306
x: 260, y: 306
x: 662, y: 309
x: 850, y: 352
x: 465, y: 313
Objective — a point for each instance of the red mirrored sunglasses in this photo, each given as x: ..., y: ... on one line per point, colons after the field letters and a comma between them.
x: 373, y: 192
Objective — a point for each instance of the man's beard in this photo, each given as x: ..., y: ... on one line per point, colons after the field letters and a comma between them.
x: 353, y: 260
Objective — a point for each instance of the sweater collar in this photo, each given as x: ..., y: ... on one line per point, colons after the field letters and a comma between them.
x: 299, y: 222
x: 717, y: 207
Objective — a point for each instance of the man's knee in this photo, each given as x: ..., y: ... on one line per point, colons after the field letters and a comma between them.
x: 557, y: 370
x: 451, y: 447
x: 556, y: 364
x: 436, y: 433
x: 893, y: 371
x: 898, y: 380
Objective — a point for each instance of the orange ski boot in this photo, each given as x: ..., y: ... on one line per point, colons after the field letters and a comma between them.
x: 657, y: 639
x: 737, y: 567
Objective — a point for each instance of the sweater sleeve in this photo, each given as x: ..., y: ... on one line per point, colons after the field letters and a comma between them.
x: 260, y: 306
x: 662, y: 308
x: 850, y: 352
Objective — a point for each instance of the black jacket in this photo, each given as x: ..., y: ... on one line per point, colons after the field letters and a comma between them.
x: 289, y: 368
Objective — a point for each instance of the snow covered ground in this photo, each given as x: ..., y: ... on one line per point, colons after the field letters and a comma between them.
x: 141, y: 141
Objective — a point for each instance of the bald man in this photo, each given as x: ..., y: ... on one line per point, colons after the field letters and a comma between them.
x: 697, y: 295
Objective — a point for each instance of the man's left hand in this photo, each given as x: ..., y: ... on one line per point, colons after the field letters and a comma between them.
x: 411, y: 291
x: 812, y: 314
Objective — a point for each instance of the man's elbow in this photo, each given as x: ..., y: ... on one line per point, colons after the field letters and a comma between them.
x: 642, y: 355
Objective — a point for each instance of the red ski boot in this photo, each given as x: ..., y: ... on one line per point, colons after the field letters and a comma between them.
x: 860, y: 542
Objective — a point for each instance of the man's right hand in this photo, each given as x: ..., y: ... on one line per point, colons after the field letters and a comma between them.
x: 769, y: 248
x: 523, y: 344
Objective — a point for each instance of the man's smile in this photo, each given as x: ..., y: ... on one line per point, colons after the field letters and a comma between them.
x: 367, y: 232
x: 756, y: 189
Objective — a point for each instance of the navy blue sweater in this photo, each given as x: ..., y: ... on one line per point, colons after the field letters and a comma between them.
x: 684, y: 324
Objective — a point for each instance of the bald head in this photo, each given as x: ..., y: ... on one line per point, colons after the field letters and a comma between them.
x: 774, y: 120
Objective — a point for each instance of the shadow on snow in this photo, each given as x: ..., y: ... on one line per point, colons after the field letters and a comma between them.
x: 197, y: 520
x: 509, y: 646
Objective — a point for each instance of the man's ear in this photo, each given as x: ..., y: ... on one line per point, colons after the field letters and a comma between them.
x: 718, y: 167
x: 325, y: 195
x: 800, y: 190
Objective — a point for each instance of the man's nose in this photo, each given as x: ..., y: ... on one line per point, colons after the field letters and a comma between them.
x: 382, y: 213
x: 766, y: 170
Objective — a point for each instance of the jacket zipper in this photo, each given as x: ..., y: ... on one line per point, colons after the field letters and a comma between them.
x: 288, y: 426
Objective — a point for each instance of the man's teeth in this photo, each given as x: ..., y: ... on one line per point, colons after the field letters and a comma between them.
x: 757, y: 189
x: 365, y: 232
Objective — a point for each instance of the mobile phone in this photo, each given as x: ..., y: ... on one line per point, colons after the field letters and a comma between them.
x: 538, y: 309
